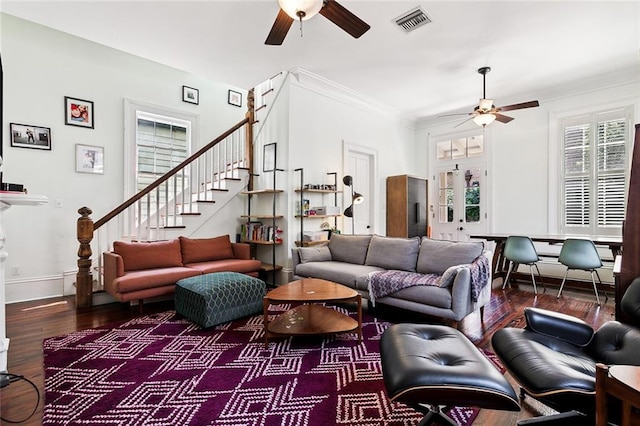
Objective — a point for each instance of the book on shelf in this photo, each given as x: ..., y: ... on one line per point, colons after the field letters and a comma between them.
x: 257, y: 231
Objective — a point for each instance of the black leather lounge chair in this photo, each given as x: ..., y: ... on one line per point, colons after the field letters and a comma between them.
x: 554, y: 358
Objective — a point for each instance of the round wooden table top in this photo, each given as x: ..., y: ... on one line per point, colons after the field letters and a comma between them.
x: 311, y: 289
x: 627, y: 374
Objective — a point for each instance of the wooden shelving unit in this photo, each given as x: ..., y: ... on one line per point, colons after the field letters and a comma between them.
x: 273, y: 238
x: 302, y: 217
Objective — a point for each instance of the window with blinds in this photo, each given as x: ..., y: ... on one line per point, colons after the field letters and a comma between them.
x: 162, y: 143
x: 595, y: 150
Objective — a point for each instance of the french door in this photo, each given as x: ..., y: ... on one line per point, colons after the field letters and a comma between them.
x: 459, y: 203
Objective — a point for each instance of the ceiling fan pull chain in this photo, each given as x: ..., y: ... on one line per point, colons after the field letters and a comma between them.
x: 300, y: 15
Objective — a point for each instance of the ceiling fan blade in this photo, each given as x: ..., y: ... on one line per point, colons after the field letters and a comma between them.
x: 523, y: 105
x: 280, y: 29
x: 455, y: 115
x: 460, y: 124
x: 503, y: 118
x: 346, y: 20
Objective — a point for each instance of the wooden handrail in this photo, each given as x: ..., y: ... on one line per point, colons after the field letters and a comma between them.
x: 122, y: 207
x: 86, y: 227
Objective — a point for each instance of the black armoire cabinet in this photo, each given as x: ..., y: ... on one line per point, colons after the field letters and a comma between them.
x: 406, y: 206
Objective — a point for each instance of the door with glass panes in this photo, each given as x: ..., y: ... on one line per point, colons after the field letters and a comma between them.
x: 460, y: 205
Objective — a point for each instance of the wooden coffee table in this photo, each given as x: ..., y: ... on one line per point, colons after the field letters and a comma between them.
x: 311, y: 317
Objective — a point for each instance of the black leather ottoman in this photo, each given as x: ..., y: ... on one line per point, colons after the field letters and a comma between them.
x: 429, y: 367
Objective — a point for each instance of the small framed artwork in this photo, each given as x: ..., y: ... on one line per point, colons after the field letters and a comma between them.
x: 35, y: 137
x: 89, y: 159
x: 235, y: 98
x: 191, y: 95
x: 78, y: 112
x: 269, y: 157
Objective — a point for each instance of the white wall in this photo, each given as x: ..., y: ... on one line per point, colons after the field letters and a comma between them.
x: 522, y: 159
x: 323, y: 119
x: 41, y: 67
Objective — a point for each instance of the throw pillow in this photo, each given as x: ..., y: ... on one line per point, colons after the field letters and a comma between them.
x: 196, y: 250
x: 438, y: 255
x: 156, y: 254
x: 393, y: 253
x: 314, y: 254
x: 349, y: 248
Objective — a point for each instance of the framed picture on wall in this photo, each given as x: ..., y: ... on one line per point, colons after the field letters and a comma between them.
x: 89, y: 159
x: 34, y: 137
x: 269, y: 157
x: 78, y: 112
x: 190, y: 95
x: 235, y: 98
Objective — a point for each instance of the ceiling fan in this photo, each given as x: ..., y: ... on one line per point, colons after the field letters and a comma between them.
x: 486, y: 112
x: 302, y: 10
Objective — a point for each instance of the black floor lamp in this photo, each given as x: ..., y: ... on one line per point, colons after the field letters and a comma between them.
x: 356, y: 198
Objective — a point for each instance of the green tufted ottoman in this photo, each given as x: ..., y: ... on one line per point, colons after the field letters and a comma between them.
x: 218, y: 297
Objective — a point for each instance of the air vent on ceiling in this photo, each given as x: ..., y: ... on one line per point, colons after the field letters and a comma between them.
x: 412, y: 20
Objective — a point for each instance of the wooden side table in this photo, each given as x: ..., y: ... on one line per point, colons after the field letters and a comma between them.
x: 621, y: 382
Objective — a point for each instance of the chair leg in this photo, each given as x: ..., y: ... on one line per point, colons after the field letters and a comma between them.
x: 606, y: 296
x: 595, y: 289
x: 533, y: 280
x: 540, y: 276
x: 506, y: 279
x: 562, y: 285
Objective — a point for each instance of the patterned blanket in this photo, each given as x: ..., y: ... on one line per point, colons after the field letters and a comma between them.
x: 383, y: 283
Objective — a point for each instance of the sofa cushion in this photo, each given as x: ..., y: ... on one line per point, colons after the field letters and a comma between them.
x: 243, y: 266
x: 338, y: 272
x: 205, y: 249
x: 349, y: 248
x: 393, y: 253
x: 156, y: 254
x: 314, y: 254
x: 436, y: 256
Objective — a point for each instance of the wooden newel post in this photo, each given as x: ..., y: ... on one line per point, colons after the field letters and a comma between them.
x: 84, y: 279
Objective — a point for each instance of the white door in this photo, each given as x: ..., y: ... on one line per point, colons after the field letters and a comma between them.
x: 460, y: 199
x: 359, y: 164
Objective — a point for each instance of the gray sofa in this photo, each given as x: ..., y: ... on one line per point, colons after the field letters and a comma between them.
x: 351, y: 259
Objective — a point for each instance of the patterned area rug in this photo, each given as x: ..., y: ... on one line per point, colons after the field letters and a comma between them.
x: 164, y: 370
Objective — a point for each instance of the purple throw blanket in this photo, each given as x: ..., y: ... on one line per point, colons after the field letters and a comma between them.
x: 383, y: 283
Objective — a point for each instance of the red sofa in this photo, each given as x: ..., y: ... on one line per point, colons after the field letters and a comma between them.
x: 137, y: 271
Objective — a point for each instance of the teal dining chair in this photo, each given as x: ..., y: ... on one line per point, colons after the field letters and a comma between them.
x: 581, y: 255
x: 520, y: 250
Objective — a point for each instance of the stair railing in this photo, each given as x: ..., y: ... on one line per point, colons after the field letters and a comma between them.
x: 159, y: 205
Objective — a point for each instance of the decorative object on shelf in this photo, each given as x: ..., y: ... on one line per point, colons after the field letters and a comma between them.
x: 78, y: 112
x: 326, y: 226
x: 356, y: 198
x: 89, y: 159
x: 34, y: 137
x: 234, y: 98
x: 190, y: 95
x: 269, y: 157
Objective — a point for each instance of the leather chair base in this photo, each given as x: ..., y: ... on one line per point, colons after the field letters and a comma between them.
x: 569, y: 418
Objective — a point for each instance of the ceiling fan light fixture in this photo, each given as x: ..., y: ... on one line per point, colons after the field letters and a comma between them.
x: 301, y: 9
x: 484, y: 119
x: 485, y: 104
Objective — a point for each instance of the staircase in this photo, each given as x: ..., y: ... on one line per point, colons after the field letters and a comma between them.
x: 181, y: 201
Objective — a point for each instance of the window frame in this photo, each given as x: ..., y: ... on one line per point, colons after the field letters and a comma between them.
x: 131, y: 110
x: 591, y: 119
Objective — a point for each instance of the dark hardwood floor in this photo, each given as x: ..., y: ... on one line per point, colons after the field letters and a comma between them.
x: 28, y: 323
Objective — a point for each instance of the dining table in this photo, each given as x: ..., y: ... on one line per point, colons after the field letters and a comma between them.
x: 499, y: 263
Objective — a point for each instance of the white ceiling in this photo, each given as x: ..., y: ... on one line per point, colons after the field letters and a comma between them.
x: 533, y: 47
